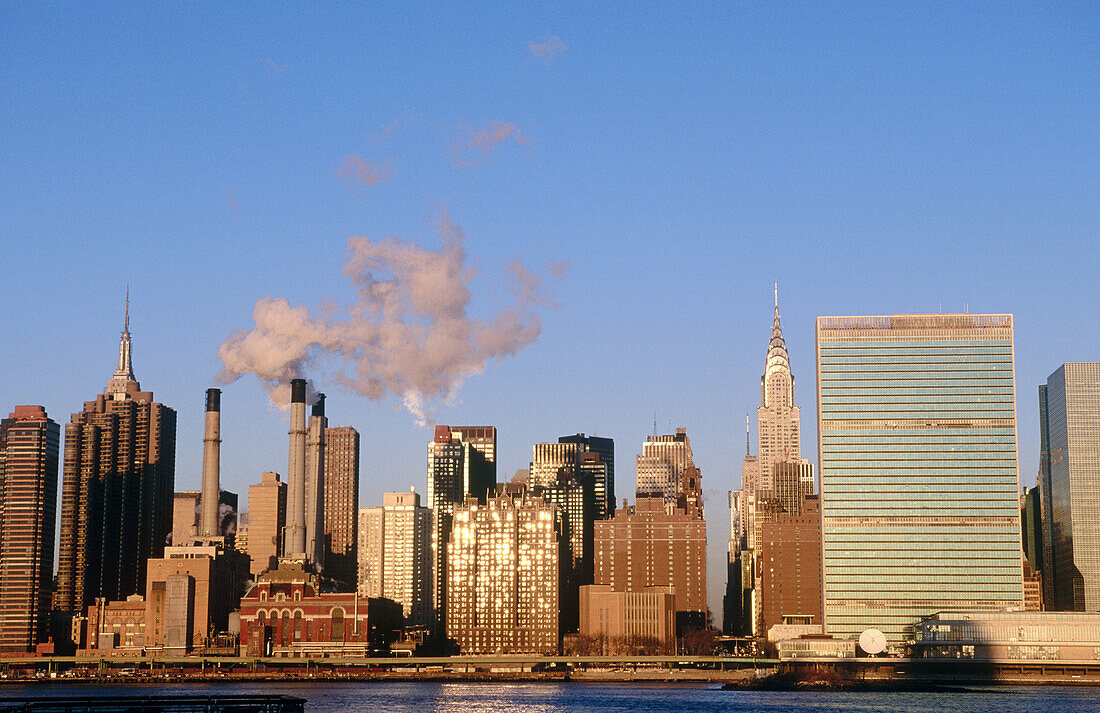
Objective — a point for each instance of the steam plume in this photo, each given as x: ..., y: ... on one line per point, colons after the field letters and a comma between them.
x: 407, y: 334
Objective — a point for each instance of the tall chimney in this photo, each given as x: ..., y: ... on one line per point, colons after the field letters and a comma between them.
x: 294, y: 545
x: 315, y: 482
x: 211, y: 466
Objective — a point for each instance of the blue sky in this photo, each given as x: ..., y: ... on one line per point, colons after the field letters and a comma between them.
x: 874, y: 158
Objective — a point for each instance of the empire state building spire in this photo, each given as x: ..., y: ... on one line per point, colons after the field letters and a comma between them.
x: 124, y: 372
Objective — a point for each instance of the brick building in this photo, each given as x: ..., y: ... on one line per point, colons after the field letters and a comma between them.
x: 651, y: 544
x: 285, y: 614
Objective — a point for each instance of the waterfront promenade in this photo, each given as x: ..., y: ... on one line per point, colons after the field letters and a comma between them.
x: 716, y: 669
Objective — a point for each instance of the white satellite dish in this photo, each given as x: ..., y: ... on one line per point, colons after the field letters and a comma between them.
x: 872, y: 641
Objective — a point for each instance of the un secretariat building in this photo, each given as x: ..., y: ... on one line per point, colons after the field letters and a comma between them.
x: 919, y: 477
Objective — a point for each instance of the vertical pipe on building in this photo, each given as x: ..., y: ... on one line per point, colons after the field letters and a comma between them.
x: 295, y: 542
x: 211, y: 467
x: 315, y: 493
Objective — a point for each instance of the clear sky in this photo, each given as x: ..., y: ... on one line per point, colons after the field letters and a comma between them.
x: 874, y: 158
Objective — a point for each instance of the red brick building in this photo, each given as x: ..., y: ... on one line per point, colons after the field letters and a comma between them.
x: 286, y: 614
x: 790, y: 563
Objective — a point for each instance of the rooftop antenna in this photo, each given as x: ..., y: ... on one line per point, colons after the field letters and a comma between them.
x: 654, y: 423
x: 126, y: 324
x: 748, y: 448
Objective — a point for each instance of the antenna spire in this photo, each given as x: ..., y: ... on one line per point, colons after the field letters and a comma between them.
x: 748, y: 448
x: 777, y: 294
x: 124, y: 372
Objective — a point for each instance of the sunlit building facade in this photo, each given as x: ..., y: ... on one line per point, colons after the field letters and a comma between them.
x: 919, y: 480
x: 395, y: 554
x: 461, y: 463
x: 503, y: 576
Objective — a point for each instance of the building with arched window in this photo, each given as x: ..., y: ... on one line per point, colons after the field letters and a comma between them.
x: 286, y: 614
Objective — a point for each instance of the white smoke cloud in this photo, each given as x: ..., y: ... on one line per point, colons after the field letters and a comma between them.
x: 407, y: 334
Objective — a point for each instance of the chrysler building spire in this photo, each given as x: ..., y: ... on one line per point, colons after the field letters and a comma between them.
x: 124, y: 372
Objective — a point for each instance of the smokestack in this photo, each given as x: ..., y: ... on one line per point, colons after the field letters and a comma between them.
x: 294, y: 546
x: 211, y: 466
x: 315, y: 485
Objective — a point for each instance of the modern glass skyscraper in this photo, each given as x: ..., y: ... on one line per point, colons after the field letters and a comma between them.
x: 919, y: 477
x: 1069, y: 481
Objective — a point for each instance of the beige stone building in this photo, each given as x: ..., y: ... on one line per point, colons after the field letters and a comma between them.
x: 650, y: 613
x: 266, y: 520
x: 395, y: 554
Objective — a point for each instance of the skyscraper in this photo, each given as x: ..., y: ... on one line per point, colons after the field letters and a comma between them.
x: 773, y: 481
x: 919, y: 481
x: 29, y: 443
x: 116, y: 497
x: 395, y: 555
x: 673, y: 450
x: 457, y: 469
x: 597, y: 465
x: 503, y: 576
x: 341, y: 504
x: 1069, y: 408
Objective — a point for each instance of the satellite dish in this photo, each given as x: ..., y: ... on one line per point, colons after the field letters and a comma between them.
x: 872, y: 641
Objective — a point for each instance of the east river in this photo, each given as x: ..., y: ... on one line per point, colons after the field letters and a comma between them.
x: 379, y: 697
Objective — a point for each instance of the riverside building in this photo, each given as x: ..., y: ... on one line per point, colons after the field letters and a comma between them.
x: 395, y: 555
x: 1069, y: 482
x: 117, y: 488
x: 29, y: 444
x: 503, y: 576
x: 919, y: 481
x: 461, y: 464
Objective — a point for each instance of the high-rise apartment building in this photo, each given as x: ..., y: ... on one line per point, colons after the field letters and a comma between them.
x: 1069, y: 408
x: 341, y: 504
x: 919, y: 480
x: 395, y: 555
x: 266, y: 521
x: 116, y: 496
x: 503, y: 576
x: 29, y: 444
x: 1032, y: 539
x: 457, y: 468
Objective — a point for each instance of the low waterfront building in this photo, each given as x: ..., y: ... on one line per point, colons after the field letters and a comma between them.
x: 1018, y: 635
x: 816, y: 646
x: 115, y: 628
x: 648, y: 614
x: 285, y: 614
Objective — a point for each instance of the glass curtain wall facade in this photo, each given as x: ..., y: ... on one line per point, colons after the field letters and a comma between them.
x: 1070, y: 483
x: 919, y: 476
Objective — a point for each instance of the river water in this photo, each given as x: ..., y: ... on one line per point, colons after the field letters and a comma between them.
x: 570, y: 697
